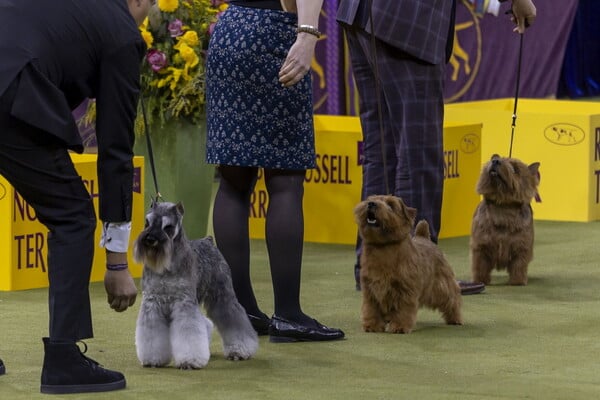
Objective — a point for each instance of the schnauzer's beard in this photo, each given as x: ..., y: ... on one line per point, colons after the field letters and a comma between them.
x: 155, y: 256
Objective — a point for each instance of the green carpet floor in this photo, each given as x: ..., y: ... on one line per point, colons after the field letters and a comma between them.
x: 535, y: 342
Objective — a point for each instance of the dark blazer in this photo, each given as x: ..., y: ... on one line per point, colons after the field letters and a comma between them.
x: 59, y: 52
x: 418, y: 27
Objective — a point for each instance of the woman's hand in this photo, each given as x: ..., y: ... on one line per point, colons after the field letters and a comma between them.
x: 298, y: 60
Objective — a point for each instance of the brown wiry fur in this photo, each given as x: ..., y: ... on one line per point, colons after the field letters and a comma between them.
x: 502, y: 229
x: 400, y: 273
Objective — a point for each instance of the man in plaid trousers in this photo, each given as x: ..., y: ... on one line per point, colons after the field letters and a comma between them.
x: 399, y: 51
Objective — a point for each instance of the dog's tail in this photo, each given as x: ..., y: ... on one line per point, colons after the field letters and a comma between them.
x: 422, y: 229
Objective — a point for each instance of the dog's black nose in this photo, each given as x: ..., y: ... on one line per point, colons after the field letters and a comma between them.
x: 150, y: 240
x: 495, y: 161
x: 371, y: 204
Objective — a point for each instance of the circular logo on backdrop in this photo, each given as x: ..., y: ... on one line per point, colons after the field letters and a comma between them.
x: 463, y: 66
x: 470, y: 143
x: 2, y: 191
x: 564, y: 134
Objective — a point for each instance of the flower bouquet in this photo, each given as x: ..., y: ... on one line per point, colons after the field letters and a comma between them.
x: 176, y: 33
x: 172, y: 77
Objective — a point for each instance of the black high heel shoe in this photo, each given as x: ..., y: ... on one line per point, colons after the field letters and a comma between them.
x: 260, y: 324
x: 282, y: 330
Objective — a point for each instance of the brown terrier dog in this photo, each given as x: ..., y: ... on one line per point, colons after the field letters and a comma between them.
x: 400, y: 273
x: 502, y: 228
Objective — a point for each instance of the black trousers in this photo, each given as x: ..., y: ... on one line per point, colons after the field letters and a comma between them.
x: 38, y: 166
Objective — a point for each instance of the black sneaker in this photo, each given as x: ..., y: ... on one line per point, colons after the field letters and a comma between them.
x: 67, y: 370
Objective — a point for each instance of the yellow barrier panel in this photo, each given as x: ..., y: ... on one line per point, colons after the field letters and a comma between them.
x: 23, y: 251
x: 332, y: 190
x: 564, y: 136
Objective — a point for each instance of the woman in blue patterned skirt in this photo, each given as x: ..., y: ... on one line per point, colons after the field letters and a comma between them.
x: 259, y: 100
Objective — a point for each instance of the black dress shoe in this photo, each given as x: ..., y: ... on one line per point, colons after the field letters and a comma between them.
x: 2, y: 369
x: 467, y: 288
x: 260, y: 324
x: 282, y: 330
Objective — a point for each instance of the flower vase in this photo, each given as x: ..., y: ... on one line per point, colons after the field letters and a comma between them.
x: 178, y: 149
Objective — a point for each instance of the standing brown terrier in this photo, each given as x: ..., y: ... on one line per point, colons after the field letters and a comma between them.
x: 502, y: 228
x: 399, y: 274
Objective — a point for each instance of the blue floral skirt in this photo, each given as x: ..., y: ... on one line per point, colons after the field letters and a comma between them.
x: 252, y: 120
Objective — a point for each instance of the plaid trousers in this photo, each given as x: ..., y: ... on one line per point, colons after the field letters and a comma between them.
x: 411, y: 147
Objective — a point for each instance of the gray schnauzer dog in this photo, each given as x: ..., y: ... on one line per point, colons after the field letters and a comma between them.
x: 179, y: 276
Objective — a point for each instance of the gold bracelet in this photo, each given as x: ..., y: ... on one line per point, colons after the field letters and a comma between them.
x: 309, y: 29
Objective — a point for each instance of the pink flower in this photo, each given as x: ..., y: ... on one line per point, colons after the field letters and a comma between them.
x: 211, y: 27
x: 175, y: 28
x: 157, y: 59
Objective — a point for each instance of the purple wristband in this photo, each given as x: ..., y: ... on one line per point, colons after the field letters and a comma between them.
x: 116, y: 267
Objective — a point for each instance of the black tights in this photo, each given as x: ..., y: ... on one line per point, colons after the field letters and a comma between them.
x: 284, y: 235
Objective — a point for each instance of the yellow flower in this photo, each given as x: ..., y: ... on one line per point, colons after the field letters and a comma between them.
x: 168, y: 5
x: 189, y: 55
x: 190, y: 38
x: 174, y: 77
x: 147, y: 36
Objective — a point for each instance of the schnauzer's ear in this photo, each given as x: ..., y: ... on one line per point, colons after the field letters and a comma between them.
x: 179, y: 207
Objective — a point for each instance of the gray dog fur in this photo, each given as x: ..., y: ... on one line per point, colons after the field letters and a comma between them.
x: 179, y: 276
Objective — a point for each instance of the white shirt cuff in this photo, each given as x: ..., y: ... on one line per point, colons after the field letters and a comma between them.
x: 494, y: 7
x: 115, y: 236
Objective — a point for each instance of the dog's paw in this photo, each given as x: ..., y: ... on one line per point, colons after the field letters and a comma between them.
x: 234, y: 356
x: 189, y: 365
x: 393, y: 328
x: 517, y: 281
x: 240, y: 351
x: 374, y: 328
x: 152, y: 365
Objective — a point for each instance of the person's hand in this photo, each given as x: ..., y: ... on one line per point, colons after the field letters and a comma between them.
x: 297, y: 62
x: 523, y: 14
x: 120, y: 288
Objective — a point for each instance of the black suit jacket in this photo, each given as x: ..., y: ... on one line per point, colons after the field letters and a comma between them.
x: 59, y: 52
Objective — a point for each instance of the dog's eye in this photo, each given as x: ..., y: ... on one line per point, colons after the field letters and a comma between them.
x: 392, y: 205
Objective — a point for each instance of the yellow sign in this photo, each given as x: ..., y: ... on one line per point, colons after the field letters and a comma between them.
x: 332, y: 189
x: 564, y: 136
x: 23, y: 247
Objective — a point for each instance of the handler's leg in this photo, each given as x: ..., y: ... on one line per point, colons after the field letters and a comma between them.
x: 41, y: 171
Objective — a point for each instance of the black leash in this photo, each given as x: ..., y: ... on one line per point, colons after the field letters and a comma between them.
x: 150, y: 154
x: 514, y: 116
x: 538, y: 199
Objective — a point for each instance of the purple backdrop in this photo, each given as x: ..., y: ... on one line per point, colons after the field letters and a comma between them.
x: 483, y: 65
